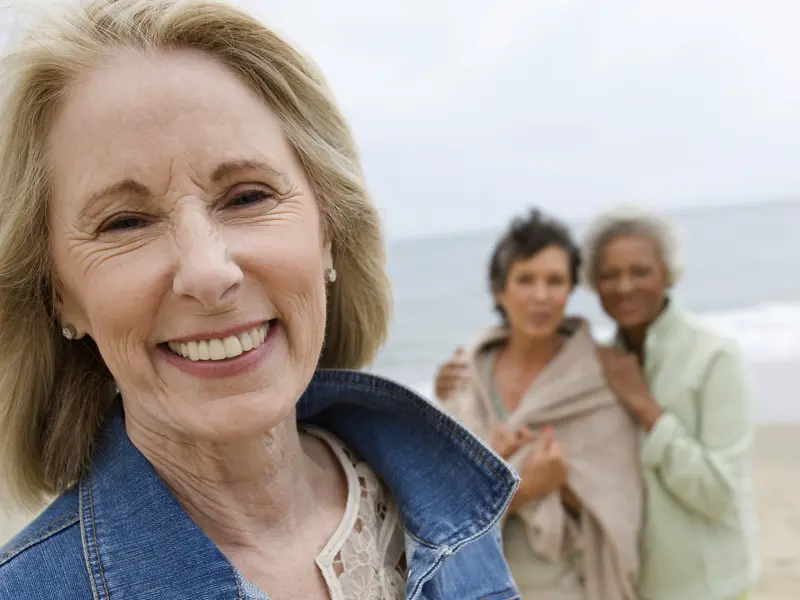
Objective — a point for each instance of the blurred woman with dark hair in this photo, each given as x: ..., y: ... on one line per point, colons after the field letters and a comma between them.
x: 535, y: 390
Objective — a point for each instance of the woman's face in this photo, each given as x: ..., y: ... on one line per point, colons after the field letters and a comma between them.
x: 187, y: 244
x: 536, y: 293
x: 632, y: 280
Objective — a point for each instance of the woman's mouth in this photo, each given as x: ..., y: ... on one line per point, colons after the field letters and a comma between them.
x: 540, y: 317
x: 627, y: 307
x: 221, y: 348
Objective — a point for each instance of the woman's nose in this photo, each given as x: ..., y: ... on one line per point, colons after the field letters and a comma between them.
x: 205, y: 271
x: 539, y: 291
x: 625, y: 284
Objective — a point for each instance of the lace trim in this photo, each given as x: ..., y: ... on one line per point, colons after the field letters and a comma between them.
x: 365, y: 559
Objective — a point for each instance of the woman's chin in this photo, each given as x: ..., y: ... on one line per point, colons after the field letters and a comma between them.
x: 629, y: 320
x: 539, y: 332
x: 239, y: 417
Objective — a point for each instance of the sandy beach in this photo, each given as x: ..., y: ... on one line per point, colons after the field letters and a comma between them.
x: 777, y: 474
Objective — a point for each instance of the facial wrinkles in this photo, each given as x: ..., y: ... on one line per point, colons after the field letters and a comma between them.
x: 196, y: 236
x: 186, y: 234
x: 88, y: 244
x: 302, y: 306
x: 307, y: 302
x: 124, y: 279
x: 137, y: 259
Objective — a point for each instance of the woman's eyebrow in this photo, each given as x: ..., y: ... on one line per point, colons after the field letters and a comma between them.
x: 222, y: 172
x: 226, y: 169
x: 124, y: 186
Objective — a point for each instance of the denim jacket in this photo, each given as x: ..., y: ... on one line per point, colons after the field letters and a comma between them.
x: 119, y: 533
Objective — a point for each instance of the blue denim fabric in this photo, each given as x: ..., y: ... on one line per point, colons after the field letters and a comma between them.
x: 120, y: 533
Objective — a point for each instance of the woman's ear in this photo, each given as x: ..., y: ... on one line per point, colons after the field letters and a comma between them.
x: 327, y: 255
x: 70, y: 318
x: 499, y: 300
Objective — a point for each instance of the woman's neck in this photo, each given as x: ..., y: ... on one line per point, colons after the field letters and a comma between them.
x: 246, y: 493
x: 635, y: 337
x: 536, y: 351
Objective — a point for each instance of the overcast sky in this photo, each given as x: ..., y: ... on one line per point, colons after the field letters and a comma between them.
x: 467, y: 112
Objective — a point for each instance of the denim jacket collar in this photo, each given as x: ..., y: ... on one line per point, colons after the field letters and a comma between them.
x: 131, y: 524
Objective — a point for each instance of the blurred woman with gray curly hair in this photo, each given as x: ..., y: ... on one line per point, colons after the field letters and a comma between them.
x: 688, y: 389
x: 188, y: 254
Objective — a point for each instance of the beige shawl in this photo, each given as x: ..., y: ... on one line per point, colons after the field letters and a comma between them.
x: 600, y: 442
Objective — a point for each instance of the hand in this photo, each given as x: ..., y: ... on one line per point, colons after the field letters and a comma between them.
x: 624, y: 376
x: 451, y: 377
x: 570, y: 499
x: 507, y: 443
x: 544, y: 469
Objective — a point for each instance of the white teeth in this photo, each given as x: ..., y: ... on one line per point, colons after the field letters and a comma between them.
x: 233, y: 347
x: 220, y: 349
x: 247, y: 341
x: 216, y: 348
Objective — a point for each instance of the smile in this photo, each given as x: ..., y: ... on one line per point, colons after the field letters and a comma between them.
x: 221, y: 348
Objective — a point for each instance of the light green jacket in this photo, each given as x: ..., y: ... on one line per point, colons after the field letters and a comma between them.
x: 699, y: 538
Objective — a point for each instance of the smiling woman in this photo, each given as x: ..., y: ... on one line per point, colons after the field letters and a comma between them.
x: 183, y: 218
x: 533, y: 388
x: 688, y: 389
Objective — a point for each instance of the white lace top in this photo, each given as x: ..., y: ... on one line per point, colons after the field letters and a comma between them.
x: 365, y: 559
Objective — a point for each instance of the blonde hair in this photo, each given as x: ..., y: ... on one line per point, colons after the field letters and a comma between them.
x: 53, y: 393
x: 630, y: 220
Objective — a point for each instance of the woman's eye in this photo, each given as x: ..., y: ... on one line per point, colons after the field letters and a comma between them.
x: 248, y: 197
x: 123, y: 223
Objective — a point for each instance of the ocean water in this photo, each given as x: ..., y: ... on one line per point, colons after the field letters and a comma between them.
x: 742, y: 275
